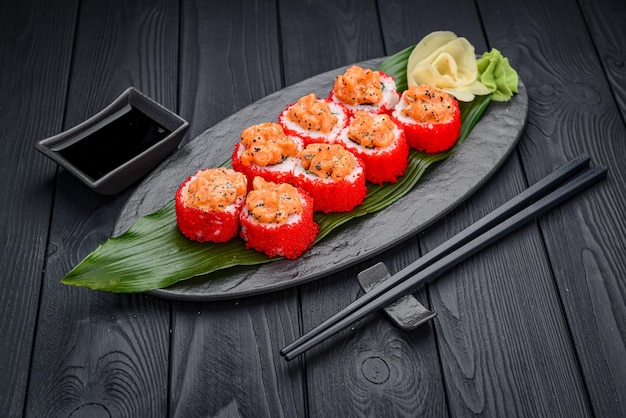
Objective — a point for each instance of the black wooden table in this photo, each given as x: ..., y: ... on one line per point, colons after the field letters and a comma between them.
x: 534, y: 325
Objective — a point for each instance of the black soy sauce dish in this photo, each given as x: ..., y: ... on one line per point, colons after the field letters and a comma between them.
x: 118, y: 145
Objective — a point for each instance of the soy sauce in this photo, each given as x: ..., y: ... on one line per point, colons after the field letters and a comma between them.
x: 112, y: 142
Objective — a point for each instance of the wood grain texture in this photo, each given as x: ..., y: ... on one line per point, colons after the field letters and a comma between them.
x: 310, y: 48
x: 372, y: 368
x: 474, y: 314
x: 405, y: 23
x: 505, y: 298
x: 225, y: 359
x: 573, y: 111
x: 229, y: 59
x: 604, y: 20
x: 478, y: 312
x: 103, y: 354
x: 35, y: 53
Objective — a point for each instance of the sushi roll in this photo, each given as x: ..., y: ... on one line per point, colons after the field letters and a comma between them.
x: 314, y: 120
x: 365, y: 89
x: 332, y: 176
x: 380, y: 143
x: 208, y: 203
x: 264, y: 150
x: 431, y: 118
x: 277, y: 219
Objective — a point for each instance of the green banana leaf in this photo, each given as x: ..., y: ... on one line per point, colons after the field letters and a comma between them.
x: 153, y: 254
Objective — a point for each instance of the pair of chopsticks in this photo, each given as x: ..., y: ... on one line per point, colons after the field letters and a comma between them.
x: 528, y: 205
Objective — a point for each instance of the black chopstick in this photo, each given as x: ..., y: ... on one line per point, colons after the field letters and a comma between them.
x: 457, y: 249
x: 534, y: 192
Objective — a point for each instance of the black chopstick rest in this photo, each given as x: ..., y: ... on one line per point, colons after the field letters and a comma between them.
x: 407, y: 312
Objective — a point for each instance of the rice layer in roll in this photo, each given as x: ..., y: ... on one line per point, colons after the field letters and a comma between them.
x: 264, y: 150
x: 278, y: 219
x: 431, y: 119
x: 380, y: 143
x: 332, y: 176
x: 208, y: 203
x: 364, y: 89
x: 314, y: 120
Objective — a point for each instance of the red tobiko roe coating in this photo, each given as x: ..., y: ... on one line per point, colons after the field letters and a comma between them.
x: 382, y: 164
x: 432, y: 134
x: 201, y: 226
x: 341, y: 196
x: 331, y: 192
x: 289, y: 240
x: 281, y: 173
x: 433, y: 137
x: 204, y: 225
x: 386, y: 165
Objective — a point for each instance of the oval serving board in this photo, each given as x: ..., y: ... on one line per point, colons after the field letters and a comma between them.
x: 444, y: 186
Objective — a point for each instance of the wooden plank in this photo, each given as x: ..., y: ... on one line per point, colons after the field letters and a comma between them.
x: 573, y: 110
x: 404, y: 24
x: 229, y: 59
x: 100, y: 353
x: 605, y: 22
x: 225, y: 359
x: 35, y: 53
x: 372, y: 369
x: 309, y: 33
x: 475, y: 312
x: 499, y: 325
x: 469, y: 376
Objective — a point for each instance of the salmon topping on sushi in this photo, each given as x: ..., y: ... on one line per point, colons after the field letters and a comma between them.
x: 328, y: 161
x: 266, y: 144
x: 358, y: 85
x: 272, y: 203
x: 278, y: 220
x: 208, y: 204
x: 425, y: 104
x: 312, y: 114
x: 371, y: 131
x: 380, y: 143
x: 266, y: 150
x: 431, y: 119
x: 214, y: 189
x: 332, y: 176
x: 363, y: 89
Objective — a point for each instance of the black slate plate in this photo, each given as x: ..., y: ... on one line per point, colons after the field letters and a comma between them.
x: 443, y: 187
